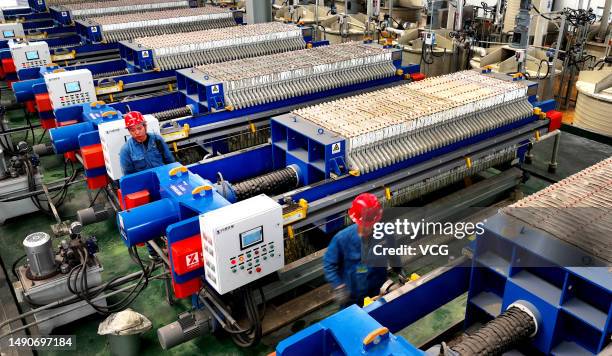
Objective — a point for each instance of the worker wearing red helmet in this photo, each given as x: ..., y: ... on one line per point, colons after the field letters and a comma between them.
x: 144, y: 149
x: 344, y: 262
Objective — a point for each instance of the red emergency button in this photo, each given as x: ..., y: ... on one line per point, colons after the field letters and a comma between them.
x: 258, y: 269
x: 256, y: 252
x: 233, y: 262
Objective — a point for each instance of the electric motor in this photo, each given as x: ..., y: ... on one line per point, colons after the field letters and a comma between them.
x: 39, y: 250
x: 187, y: 327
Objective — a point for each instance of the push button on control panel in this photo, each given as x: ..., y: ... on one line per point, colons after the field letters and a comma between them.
x: 252, y: 258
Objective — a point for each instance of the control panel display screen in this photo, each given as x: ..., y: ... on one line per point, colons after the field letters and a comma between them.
x: 251, y: 237
x: 8, y: 34
x: 32, y: 55
x: 72, y: 87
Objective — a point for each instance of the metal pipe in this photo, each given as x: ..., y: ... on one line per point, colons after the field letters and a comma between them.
x: 533, y: 140
x: 529, y: 154
x: 499, y: 18
x: 159, y: 251
x: 227, y: 316
x: 481, y: 51
x: 369, y: 15
x: 395, y: 30
x: 605, y: 19
x: 51, y: 205
x: 168, y: 286
x: 552, y: 165
x: 112, y: 199
x: 581, y: 37
x: 505, y: 43
x: 316, y: 29
x: 458, y: 26
x: 210, y: 309
x: 450, y: 17
x: 545, y: 136
x: 458, y: 16
x: 564, y: 72
x: 542, y: 24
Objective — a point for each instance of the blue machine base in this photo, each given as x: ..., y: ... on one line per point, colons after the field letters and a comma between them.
x: 344, y: 332
x: 571, y: 290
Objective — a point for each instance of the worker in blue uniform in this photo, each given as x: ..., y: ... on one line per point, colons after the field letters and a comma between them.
x: 143, y: 150
x: 346, y: 264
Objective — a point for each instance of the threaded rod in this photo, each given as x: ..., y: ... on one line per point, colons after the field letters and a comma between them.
x: 271, y: 183
x: 499, y: 335
x: 173, y: 113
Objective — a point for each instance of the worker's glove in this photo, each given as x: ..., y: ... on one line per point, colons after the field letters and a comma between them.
x: 341, y: 294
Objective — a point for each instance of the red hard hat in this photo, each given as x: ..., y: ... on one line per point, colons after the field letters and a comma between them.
x: 133, y: 118
x: 366, y: 210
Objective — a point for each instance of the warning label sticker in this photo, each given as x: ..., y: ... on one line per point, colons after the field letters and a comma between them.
x: 336, y: 148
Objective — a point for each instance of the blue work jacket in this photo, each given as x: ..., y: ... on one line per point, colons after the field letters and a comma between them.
x: 342, y: 263
x: 136, y: 157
